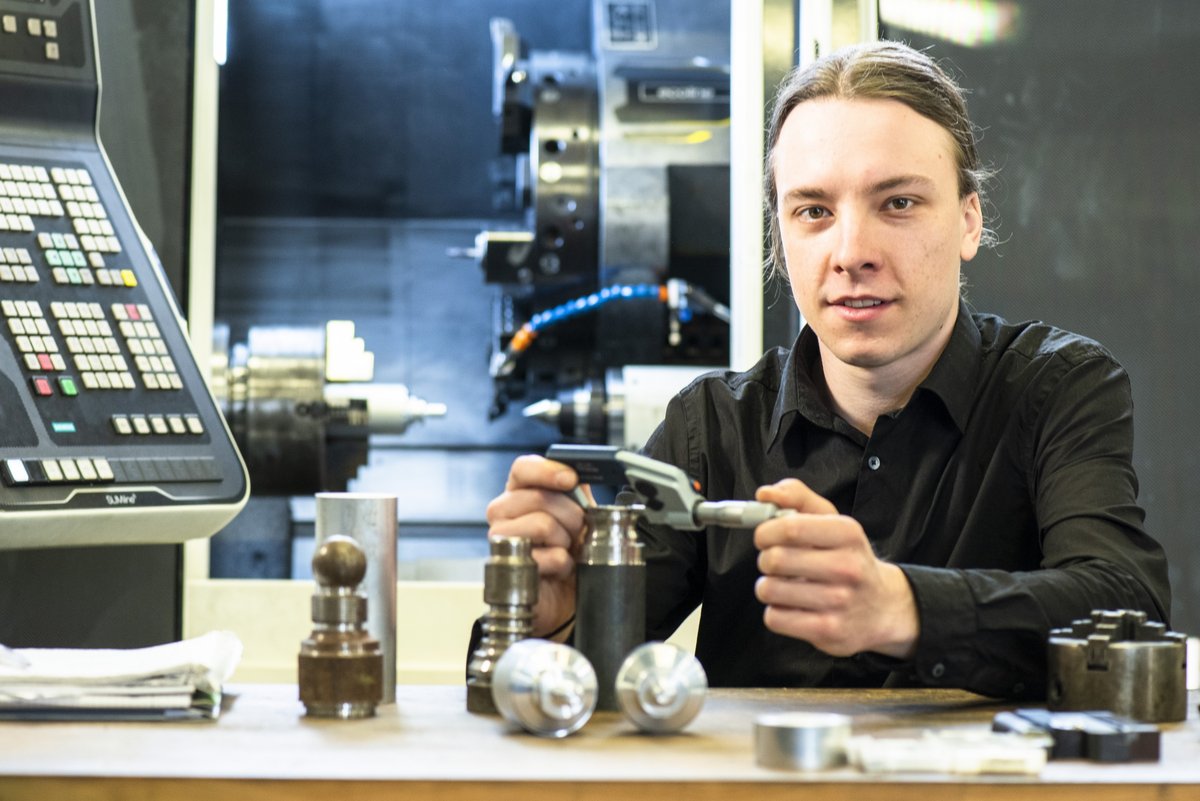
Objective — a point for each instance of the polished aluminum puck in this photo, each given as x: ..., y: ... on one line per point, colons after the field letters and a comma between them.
x: 801, y: 740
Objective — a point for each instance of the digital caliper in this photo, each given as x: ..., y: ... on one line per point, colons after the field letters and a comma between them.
x: 669, y: 495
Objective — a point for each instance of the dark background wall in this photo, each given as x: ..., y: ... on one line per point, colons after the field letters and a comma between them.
x: 363, y: 108
x: 1090, y: 113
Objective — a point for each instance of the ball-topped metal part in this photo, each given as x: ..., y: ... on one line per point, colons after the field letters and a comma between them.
x: 339, y: 562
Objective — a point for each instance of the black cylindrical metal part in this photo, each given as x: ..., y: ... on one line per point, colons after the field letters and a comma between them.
x: 610, y: 595
x: 610, y: 621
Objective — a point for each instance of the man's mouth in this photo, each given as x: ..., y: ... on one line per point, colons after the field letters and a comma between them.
x: 861, y: 304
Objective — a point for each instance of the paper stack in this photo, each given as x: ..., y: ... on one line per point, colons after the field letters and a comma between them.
x: 179, y: 680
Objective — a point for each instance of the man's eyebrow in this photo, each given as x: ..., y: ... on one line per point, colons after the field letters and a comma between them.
x: 888, y: 184
x: 806, y: 193
x: 809, y: 193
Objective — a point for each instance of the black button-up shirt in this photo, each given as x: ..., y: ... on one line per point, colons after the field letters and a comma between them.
x: 1004, y: 489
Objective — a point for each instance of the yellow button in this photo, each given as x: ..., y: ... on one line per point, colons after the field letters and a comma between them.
x: 128, y: 278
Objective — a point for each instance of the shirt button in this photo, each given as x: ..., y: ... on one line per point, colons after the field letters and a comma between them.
x: 939, y: 670
x: 873, y: 462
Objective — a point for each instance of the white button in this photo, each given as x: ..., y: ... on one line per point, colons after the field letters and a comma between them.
x: 70, y: 471
x: 873, y: 462
x: 86, y: 470
x: 16, y: 469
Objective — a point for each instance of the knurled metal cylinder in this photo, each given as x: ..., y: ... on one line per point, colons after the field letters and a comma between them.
x: 340, y: 674
x: 510, y: 588
x: 370, y: 520
x: 610, y: 604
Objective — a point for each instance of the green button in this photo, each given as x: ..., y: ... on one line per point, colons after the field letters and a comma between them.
x: 53, y: 259
x: 67, y: 387
x: 63, y: 427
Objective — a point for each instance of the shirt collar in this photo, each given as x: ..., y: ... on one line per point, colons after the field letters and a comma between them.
x: 952, y: 379
x: 956, y: 371
x: 798, y: 392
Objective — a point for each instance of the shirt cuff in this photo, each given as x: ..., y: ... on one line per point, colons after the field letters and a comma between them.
x: 946, y: 610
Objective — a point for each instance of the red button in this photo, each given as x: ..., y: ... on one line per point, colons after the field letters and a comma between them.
x: 132, y: 310
x: 41, y: 386
x: 44, y: 361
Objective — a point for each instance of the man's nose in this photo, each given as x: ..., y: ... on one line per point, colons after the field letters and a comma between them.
x: 855, y: 243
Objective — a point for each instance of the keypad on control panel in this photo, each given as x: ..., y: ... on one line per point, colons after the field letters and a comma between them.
x: 91, y: 333
x: 145, y: 342
x: 92, y: 345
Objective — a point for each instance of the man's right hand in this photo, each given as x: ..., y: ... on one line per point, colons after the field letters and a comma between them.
x: 535, y: 505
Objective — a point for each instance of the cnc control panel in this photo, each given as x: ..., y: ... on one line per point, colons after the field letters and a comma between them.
x: 108, y: 432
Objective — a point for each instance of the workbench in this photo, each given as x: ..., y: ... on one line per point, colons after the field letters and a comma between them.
x: 427, y: 745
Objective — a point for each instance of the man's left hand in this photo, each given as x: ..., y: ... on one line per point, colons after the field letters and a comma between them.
x: 821, y: 581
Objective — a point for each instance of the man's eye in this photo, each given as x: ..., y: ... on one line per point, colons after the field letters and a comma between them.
x: 900, y: 203
x: 812, y: 213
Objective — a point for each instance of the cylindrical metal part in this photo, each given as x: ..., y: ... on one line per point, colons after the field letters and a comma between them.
x: 610, y: 604
x: 801, y: 740
x: 340, y: 665
x: 1119, y: 662
x: 547, y: 688
x: 369, y: 519
x: 340, y: 674
x: 510, y: 588
x: 661, y: 687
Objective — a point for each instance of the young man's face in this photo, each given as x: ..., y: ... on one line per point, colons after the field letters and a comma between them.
x: 873, y: 229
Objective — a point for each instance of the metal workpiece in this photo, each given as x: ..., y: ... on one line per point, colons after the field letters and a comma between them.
x: 302, y: 404
x: 370, y: 520
x: 340, y: 663
x: 801, y: 740
x: 546, y: 688
x: 1120, y: 662
x: 510, y: 589
x: 610, y: 599
x: 661, y: 687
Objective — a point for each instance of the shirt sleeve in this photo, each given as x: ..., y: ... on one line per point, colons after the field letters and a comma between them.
x: 986, y: 630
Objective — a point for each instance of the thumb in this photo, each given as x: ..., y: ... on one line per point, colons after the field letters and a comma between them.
x: 791, y: 493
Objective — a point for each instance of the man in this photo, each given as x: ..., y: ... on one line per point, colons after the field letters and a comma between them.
x: 962, y: 484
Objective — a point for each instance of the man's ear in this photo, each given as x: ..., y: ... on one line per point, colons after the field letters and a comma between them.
x: 972, y: 218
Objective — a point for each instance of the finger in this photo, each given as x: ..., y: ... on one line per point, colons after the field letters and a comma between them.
x: 553, y: 562
x: 519, y: 503
x: 810, y: 531
x: 826, y: 566
x: 532, y: 470
x: 825, y: 631
x: 802, y: 595
x: 539, y: 526
x: 791, y: 493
